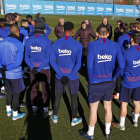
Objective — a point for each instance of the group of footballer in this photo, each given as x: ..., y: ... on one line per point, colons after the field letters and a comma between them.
x: 110, y: 65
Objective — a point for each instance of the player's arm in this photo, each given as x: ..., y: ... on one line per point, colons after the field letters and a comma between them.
x: 119, y: 65
x: 76, y: 35
x: 49, y: 30
x: 78, y: 62
x: 93, y: 35
x: 19, y: 59
x: 54, y: 63
x: 27, y: 56
x: 90, y: 60
x: 47, y: 57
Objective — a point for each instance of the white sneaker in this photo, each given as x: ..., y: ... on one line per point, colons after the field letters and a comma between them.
x: 2, y: 89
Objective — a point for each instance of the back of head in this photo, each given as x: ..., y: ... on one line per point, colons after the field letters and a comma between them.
x: 138, y: 20
x: 28, y: 16
x: 2, y: 20
x: 68, y: 26
x: 120, y: 21
x: 136, y: 37
x: 102, y: 30
x: 124, y: 26
x: 23, y: 21
x: 14, y: 29
x: 39, y: 24
x: 9, y: 17
x: 136, y: 25
x: 16, y: 14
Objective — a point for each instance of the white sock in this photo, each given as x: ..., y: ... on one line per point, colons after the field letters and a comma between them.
x: 34, y: 107
x: 122, y: 121
x: 136, y: 116
x: 90, y: 131
x: 15, y: 113
x: 8, y: 107
x: 107, y: 128
x: 45, y: 109
x: 118, y: 94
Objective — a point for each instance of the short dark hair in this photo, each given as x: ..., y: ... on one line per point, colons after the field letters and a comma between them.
x: 136, y: 36
x: 138, y: 19
x: 68, y: 26
x: 120, y: 21
x: 124, y: 26
x: 29, y: 16
x: 16, y: 14
x: 2, y: 19
x: 83, y: 22
x: 136, y: 24
x: 9, y: 17
x: 102, y: 30
x: 23, y: 21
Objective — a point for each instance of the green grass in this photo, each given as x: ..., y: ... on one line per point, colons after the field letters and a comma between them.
x: 37, y: 128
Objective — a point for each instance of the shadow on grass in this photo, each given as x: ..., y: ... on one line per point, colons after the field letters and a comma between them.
x: 38, y: 128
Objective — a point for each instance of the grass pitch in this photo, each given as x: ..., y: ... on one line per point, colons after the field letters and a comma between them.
x: 38, y: 128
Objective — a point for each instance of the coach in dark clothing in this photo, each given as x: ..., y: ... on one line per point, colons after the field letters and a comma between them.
x: 59, y: 29
x: 84, y: 35
x: 88, y: 23
x: 117, y: 31
x: 108, y: 26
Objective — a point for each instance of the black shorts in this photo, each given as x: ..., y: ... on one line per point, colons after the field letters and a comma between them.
x: 103, y: 91
x: 14, y: 85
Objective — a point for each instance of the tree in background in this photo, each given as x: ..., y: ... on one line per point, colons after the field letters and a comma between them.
x: 127, y: 2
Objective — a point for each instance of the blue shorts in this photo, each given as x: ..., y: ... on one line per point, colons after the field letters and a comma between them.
x: 103, y: 91
x: 73, y: 86
x: 126, y: 94
x: 14, y: 85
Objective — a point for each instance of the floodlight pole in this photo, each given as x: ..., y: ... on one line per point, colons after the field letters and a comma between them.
x: 2, y: 9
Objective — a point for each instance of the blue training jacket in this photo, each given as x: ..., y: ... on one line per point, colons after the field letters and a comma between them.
x: 31, y: 29
x: 11, y: 55
x: 124, y: 42
x: 67, y: 52
x: 47, y: 30
x: 4, y: 32
x: 37, y: 52
x: 104, y: 61
x: 131, y: 74
x: 23, y: 35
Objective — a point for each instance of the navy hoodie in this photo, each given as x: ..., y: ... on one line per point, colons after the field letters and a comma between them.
x: 65, y: 57
x: 131, y: 74
x: 104, y: 61
x: 37, y: 51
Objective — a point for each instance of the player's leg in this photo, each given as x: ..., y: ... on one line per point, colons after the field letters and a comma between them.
x: 118, y: 87
x: 136, y: 98
x: 45, y: 82
x: 15, y: 105
x: 108, y: 116
x: 34, y: 91
x: 59, y: 87
x: 92, y: 121
x: 125, y: 95
x: 9, y: 97
x: 73, y: 87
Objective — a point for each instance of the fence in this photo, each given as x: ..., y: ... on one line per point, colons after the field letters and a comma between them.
x: 69, y: 8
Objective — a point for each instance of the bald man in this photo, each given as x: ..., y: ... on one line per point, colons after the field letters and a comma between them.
x: 59, y: 29
x: 11, y: 56
x: 108, y: 26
